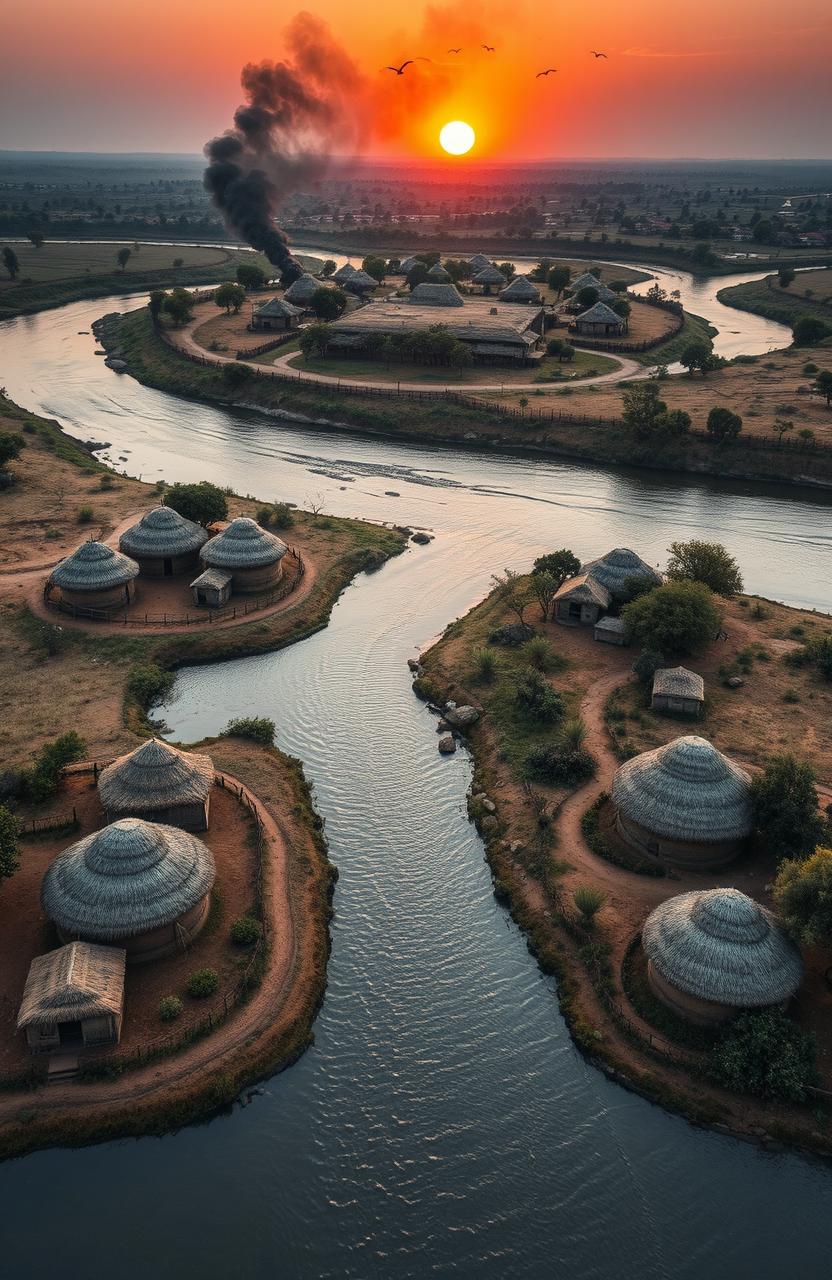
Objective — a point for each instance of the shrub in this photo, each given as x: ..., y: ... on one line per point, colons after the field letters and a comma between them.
x: 589, y: 900
x: 203, y: 502
x: 170, y: 1007
x: 809, y: 330
x: 766, y: 1055
x: 679, y: 617
x: 245, y: 931
x: 557, y: 765
x: 85, y: 515
x: 648, y: 662
x: 786, y: 807
x: 203, y: 983
x: 282, y: 517
x: 236, y: 375
x: 539, y: 653
x: 256, y: 728
x: 707, y: 562
x: 803, y: 897
x: 9, y: 842
x: 512, y: 635
x: 106, y: 481
x: 42, y: 780
x: 573, y: 733
x: 485, y: 665
x: 149, y: 683
x: 537, y: 700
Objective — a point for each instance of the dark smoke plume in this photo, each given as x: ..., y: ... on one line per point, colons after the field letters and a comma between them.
x: 297, y: 113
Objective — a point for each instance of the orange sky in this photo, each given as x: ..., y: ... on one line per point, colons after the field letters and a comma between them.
x: 718, y: 78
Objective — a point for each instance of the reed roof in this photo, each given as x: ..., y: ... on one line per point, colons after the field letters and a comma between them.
x: 156, y: 776
x: 600, y: 313
x: 279, y: 308
x: 129, y: 878
x: 243, y: 544
x: 615, y: 568
x: 489, y: 275
x: 521, y: 289
x: 438, y: 273
x: 478, y: 262
x: 94, y: 567
x: 685, y: 790
x: 584, y: 589
x: 678, y: 682
x: 585, y: 281
x: 361, y: 280
x: 721, y: 945
x: 162, y: 532
x: 79, y: 981
x: 344, y: 273
x: 302, y: 289
x: 436, y: 295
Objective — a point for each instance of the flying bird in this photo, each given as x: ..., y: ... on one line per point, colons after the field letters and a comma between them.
x: 454, y: 50
x: 489, y: 48
x: 400, y: 70
x: 545, y: 73
x: 598, y: 55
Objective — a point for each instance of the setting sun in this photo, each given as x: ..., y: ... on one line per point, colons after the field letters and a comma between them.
x: 457, y: 137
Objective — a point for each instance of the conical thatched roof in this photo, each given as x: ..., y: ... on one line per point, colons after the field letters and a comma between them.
x: 78, y: 981
x: 155, y: 776
x: 678, y: 682
x: 243, y: 545
x: 436, y: 295
x: 686, y: 791
x: 278, y: 308
x: 600, y: 313
x: 521, y: 289
x: 162, y: 532
x: 127, y: 879
x: 302, y: 289
x: 586, y: 281
x: 344, y: 273
x: 606, y: 295
x: 360, y: 280
x: 407, y: 264
x: 478, y: 262
x: 614, y: 569
x: 720, y: 945
x: 439, y: 274
x: 94, y: 567
x: 489, y: 275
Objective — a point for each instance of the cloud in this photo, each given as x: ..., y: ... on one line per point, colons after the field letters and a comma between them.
x: 674, y: 53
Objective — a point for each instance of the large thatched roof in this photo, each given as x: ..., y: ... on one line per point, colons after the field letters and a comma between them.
x: 478, y: 262
x: 129, y: 878
x: 78, y: 981
x: 243, y: 545
x: 616, y: 567
x: 720, y: 945
x: 521, y: 289
x: 436, y: 295
x: 302, y: 289
x: 489, y: 275
x: 360, y: 280
x: 162, y: 532
x: 94, y: 567
x: 678, y: 682
x: 279, y: 308
x: 155, y: 776
x: 344, y: 273
x: 600, y: 313
x: 586, y: 281
x: 686, y: 791
x: 438, y: 274
x: 407, y: 264
x: 583, y: 589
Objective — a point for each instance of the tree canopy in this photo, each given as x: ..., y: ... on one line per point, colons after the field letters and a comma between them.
x: 250, y: 276
x: 766, y: 1055
x: 9, y: 843
x: 678, y: 617
x: 648, y: 415
x: 560, y: 565
x: 707, y: 562
x: 11, y: 262
x: 202, y: 502
x: 327, y: 303
x: 723, y: 424
x: 803, y: 897
x: 786, y: 807
x: 11, y: 447
x: 231, y: 296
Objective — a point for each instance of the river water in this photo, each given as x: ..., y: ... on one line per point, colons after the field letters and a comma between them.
x: 442, y: 1124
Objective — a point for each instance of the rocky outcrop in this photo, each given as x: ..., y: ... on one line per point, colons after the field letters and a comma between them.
x: 461, y: 717
x: 447, y: 745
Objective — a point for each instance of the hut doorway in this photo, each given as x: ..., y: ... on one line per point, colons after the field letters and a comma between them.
x: 167, y: 567
x: 70, y: 1033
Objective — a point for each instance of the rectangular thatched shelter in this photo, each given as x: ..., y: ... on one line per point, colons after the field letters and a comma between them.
x: 73, y: 997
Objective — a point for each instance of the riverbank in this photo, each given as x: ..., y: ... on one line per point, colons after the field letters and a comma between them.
x: 563, y: 428
x: 785, y: 305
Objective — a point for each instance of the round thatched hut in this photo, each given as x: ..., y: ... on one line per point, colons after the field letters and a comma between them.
x: 160, y: 784
x: 345, y: 273
x: 139, y: 885
x: 521, y: 289
x: 716, y: 951
x: 251, y: 555
x: 302, y: 290
x: 163, y: 543
x: 618, y: 568
x: 95, y: 576
x: 489, y: 278
x: 684, y: 802
x: 438, y: 274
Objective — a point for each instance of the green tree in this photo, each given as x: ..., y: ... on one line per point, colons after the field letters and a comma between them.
x: 235, y: 375
x: 179, y: 305
x: 707, y: 562
x: 785, y: 276
x: 329, y: 268
x: 9, y: 843
x: 566, y: 354
x: 678, y: 617
x: 155, y: 304
x: 622, y: 308
x: 513, y: 592
x: 766, y: 1055
x: 43, y: 779
x: 123, y: 257
x: 231, y: 296
x: 648, y: 662
x: 315, y: 339
x: 417, y: 274
x: 36, y: 238
x: 823, y: 385
x: 786, y: 807
x: 559, y: 278
x: 803, y: 897
x: 587, y: 297
x: 202, y: 502
x: 723, y: 424
x: 807, y: 331
x: 10, y: 262
x: 544, y: 588
x: 560, y: 565
x: 703, y: 255
x: 697, y: 355
x: 781, y: 427
x: 507, y: 269
x: 375, y: 266
x: 11, y: 446
x: 250, y: 276
x: 327, y: 303
x: 642, y: 406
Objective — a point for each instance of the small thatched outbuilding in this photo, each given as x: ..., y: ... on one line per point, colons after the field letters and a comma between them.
x: 249, y: 553
x: 489, y: 278
x: 302, y: 290
x: 713, y: 952
x: 521, y: 289
x: 95, y: 576
x: 619, y: 568
x: 73, y: 996
x: 160, y: 784
x: 277, y: 314
x: 600, y: 321
x: 163, y: 543
x: 610, y: 630
x: 684, y: 802
x: 438, y: 274
x: 580, y: 601
x: 677, y: 689
x: 138, y: 884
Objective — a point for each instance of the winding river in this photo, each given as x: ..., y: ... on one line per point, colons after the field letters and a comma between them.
x: 442, y: 1124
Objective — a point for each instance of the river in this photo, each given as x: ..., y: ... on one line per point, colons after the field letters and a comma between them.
x: 442, y: 1124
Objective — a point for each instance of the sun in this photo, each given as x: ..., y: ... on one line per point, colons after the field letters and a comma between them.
x: 457, y: 137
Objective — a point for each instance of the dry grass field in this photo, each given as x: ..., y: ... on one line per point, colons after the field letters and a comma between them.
x: 56, y: 261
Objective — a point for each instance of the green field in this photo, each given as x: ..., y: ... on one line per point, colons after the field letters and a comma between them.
x: 774, y: 303
x: 549, y: 372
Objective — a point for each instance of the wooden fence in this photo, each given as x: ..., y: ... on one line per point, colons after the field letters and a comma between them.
x: 52, y: 822
x: 280, y: 341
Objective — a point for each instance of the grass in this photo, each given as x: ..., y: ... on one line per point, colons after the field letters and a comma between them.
x: 695, y: 329
x: 586, y: 364
x: 783, y: 305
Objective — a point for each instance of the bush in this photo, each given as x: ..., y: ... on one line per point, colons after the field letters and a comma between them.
x: 42, y: 780
x: 786, y: 807
x: 809, y: 330
x: 149, y: 683
x: 679, y: 617
x: 558, y: 765
x: 170, y: 1007
x: 203, y: 502
x: 512, y: 635
x: 256, y: 728
x: 537, y: 700
x: 803, y: 897
x: 282, y: 517
x: 648, y: 662
x: 707, y: 562
x: 766, y: 1055
x: 85, y: 515
x: 236, y: 375
x: 589, y: 900
x: 9, y: 842
x: 203, y: 983
x: 485, y: 665
x: 539, y: 654
x: 245, y: 931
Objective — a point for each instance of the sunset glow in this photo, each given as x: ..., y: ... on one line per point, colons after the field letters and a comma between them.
x: 457, y: 137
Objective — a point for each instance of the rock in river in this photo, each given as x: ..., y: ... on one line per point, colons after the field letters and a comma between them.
x: 447, y: 745
x: 462, y: 717
x: 422, y: 538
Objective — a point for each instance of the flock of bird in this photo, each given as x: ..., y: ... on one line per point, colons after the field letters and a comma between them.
x: 488, y: 48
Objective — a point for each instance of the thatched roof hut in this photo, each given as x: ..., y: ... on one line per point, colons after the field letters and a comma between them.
x: 677, y: 689
x: 685, y: 801
x: 345, y: 273
x: 585, y: 281
x: 95, y: 576
x: 301, y: 290
x: 489, y: 278
x: 438, y: 274
x: 159, y: 783
x: 521, y: 289
x: 278, y: 314
x: 618, y: 567
x: 407, y: 264
x: 360, y: 282
x: 478, y: 262
x: 600, y: 319
x: 436, y: 295
x: 248, y: 552
x: 715, y: 951
x: 580, y: 601
x: 163, y: 542
x: 137, y: 883
x: 77, y: 990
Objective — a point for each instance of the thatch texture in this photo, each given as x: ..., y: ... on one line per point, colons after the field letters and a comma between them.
x: 600, y: 313
x: 436, y: 295
x: 490, y: 276
x: 279, y: 309
x: 583, y: 589
x: 685, y: 791
x: 343, y: 274
x: 607, y: 295
x: 438, y: 274
x: 612, y: 626
x: 162, y: 533
x: 302, y: 289
x: 71, y: 984
x: 216, y: 579
x: 521, y: 289
x: 359, y: 281
x: 94, y: 567
x: 155, y: 776
x: 478, y: 262
x: 128, y: 879
x: 614, y: 569
x: 243, y: 545
x: 722, y: 946
x: 407, y: 264
x: 678, y: 682
x: 586, y: 281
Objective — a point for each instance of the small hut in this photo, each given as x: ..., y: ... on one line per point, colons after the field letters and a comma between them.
x: 160, y: 784
x: 521, y: 289
x: 610, y: 631
x: 277, y: 314
x: 211, y: 589
x: 677, y: 689
x: 407, y: 264
x: 619, y: 568
x: 439, y: 275
x: 142, y: 886
x: 95, y: 576
x: 713, y: 952
x: 580, y: 601
x: 478, y: 262
x: 489, y: 278
x: 600, y: 321
x: 74, y: 996
x: 684, y: 802
x: 436, y: 295
x: 586, y: 281
x: 343, y: 274
x: 250, y: 554
x: 302, y: 290
x: 360, y: 282
x: 607, y: 295
x: 163, y: 543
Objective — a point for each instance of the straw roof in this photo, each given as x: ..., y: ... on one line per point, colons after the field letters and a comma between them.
x: 583, y: 589
x: 78, y: 981
x: 361, y: 280
x: 607, y: 295
x: 489, y: 275
x: 129, y: 878
x: 344, y: 273
x: 94, y: 567
x: 278, y: 308
x: 586, y: 281
x: 600, y: 313
x: 407, y: 264
x: 439, y: 274
x: 302, y: 289
x: 720, y: 945
x: 678, y: 682
x: 686, y: 791
x: 162, y: 532
x: 478, y: 262
x: 215, y: 578
x: 156, y: 776
x: 614, y: 569
x: 243, y: 545
x: 614, y: 626
x: 436, y: 295
x: 521, y: 289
